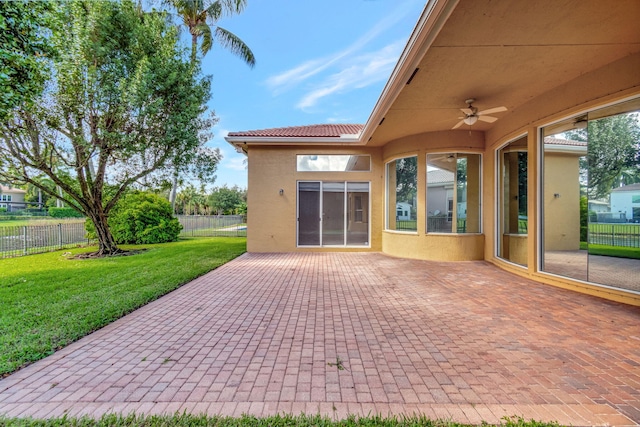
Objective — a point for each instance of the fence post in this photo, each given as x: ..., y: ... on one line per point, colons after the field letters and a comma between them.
x: 24, y: 238
x: 60, y: 234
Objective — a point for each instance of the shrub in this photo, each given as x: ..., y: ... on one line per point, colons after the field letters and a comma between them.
x: 64, y: 213
x: 141, y: 218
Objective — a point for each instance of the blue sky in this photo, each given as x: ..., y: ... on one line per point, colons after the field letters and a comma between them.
x: 316, y: 62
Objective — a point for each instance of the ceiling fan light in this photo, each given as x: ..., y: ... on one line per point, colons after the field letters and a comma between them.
x: 470, y: 120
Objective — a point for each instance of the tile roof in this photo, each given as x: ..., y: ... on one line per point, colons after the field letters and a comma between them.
x: 439, y: 176
x: 319, y: 131
x: 8, y: 189
x: 630, y: 187
x: 558, y: 141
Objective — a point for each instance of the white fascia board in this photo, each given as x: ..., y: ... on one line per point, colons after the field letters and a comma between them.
x: 433, y: 17
x: 580, y: 150
x: 262, y: 140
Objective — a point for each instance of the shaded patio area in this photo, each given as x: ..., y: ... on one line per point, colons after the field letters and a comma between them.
x: 360, y: 333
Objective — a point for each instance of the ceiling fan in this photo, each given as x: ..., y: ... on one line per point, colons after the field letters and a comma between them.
x: 472, y: 115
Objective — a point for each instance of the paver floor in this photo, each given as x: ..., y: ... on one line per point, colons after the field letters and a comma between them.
x: 360, y: 333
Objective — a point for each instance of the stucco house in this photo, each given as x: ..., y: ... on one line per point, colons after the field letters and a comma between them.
x: 626, y: 200
x: 11, y: 198
x: 477, y: 89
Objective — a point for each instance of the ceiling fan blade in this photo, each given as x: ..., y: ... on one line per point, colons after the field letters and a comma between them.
x: 492, y: 110
x: 467, y: 111
x: 460, y: 123
x: 487, y: 119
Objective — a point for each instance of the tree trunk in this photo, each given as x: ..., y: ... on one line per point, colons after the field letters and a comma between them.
x: 174, y: 189
x: 106, y: 243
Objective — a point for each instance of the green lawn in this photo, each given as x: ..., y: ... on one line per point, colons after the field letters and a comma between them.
x: 49, y: 301
x: 250, y: 421
x: 614, y: 251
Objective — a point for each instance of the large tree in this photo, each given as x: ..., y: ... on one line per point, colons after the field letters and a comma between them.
x: 613, y: 155
x: 23, y: 49
x: 123, y: 104
x: 201, y: 19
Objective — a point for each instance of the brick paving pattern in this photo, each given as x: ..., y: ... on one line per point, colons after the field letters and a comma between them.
x: 351, y: 333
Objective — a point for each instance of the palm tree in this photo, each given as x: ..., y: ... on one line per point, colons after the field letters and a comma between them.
x: 201, y: 18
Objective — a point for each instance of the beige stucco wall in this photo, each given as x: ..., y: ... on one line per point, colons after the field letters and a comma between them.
x: 561, y: 212
x: 271, y: 220
x: 420, y: 244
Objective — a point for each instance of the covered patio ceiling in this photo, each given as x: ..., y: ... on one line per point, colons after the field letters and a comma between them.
x: 502, y: 53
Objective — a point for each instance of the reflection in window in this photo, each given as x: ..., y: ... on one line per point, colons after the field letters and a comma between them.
x: 512, y: 163
x: 591, y: 196
x: 333, y: 163
x: 402, y: 183
x: 453, y: 193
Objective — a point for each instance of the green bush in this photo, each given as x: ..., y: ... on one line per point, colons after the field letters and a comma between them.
x: 64, y: 213
x: 141, y: 218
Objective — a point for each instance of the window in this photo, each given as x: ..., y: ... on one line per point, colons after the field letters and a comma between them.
x: 591, y: 169
x: 333, y: 163
x: 402, y: 184
x: 512, y: 207
x: 453, y: 193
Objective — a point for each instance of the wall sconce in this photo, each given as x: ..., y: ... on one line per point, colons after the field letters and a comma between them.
x: 556, y: 195
x: 281, y: 192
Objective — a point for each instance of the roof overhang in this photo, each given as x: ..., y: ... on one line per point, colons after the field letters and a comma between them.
x: 500, y: 52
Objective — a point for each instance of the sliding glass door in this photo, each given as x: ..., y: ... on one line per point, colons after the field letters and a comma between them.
x: 333, y: 213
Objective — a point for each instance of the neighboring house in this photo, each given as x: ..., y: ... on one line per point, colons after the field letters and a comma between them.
x: 12, y: 199
x: 626, y: 201
x: 403, y: 211
x: 550, y: 64
x: 598, y: 206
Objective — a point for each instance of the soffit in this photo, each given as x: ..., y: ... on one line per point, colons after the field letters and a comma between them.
x: 504, y: 52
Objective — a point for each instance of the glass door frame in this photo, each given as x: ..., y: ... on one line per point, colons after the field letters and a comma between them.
x: 345, y: 214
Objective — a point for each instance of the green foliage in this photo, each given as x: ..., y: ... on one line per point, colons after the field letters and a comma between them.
x: 406, y: 179
x: 613, y: 155
x: 124, y: 105
x: 228, y: 201
x: 23, y: 47
x: 49, y: 301
x: 64, y: 213
x: 584, y: 218
x: 614, y: 251
x: 142, y: 218
x: 201, y: 16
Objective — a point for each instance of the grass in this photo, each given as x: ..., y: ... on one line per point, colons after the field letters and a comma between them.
x: 250, y: 421
x: 49, y: 301
x: 614, y: 251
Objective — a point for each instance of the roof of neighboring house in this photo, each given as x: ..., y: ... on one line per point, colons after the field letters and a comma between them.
x: 310, y: 131
x: 6, y: 189
x: 565, y: 146
x: 630, y: 187
x: 439, y: 176
x: 568, y: 142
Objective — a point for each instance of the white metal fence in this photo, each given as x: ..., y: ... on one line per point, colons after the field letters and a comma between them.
x: 33, y: 239
x: 213, y: 225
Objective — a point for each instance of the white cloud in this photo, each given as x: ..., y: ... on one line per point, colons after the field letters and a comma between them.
x: 236, y: 163
x: 302, y: 72
x: 359, y: 72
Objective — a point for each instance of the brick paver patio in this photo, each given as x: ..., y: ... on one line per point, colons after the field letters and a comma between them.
x: 267, y: 333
